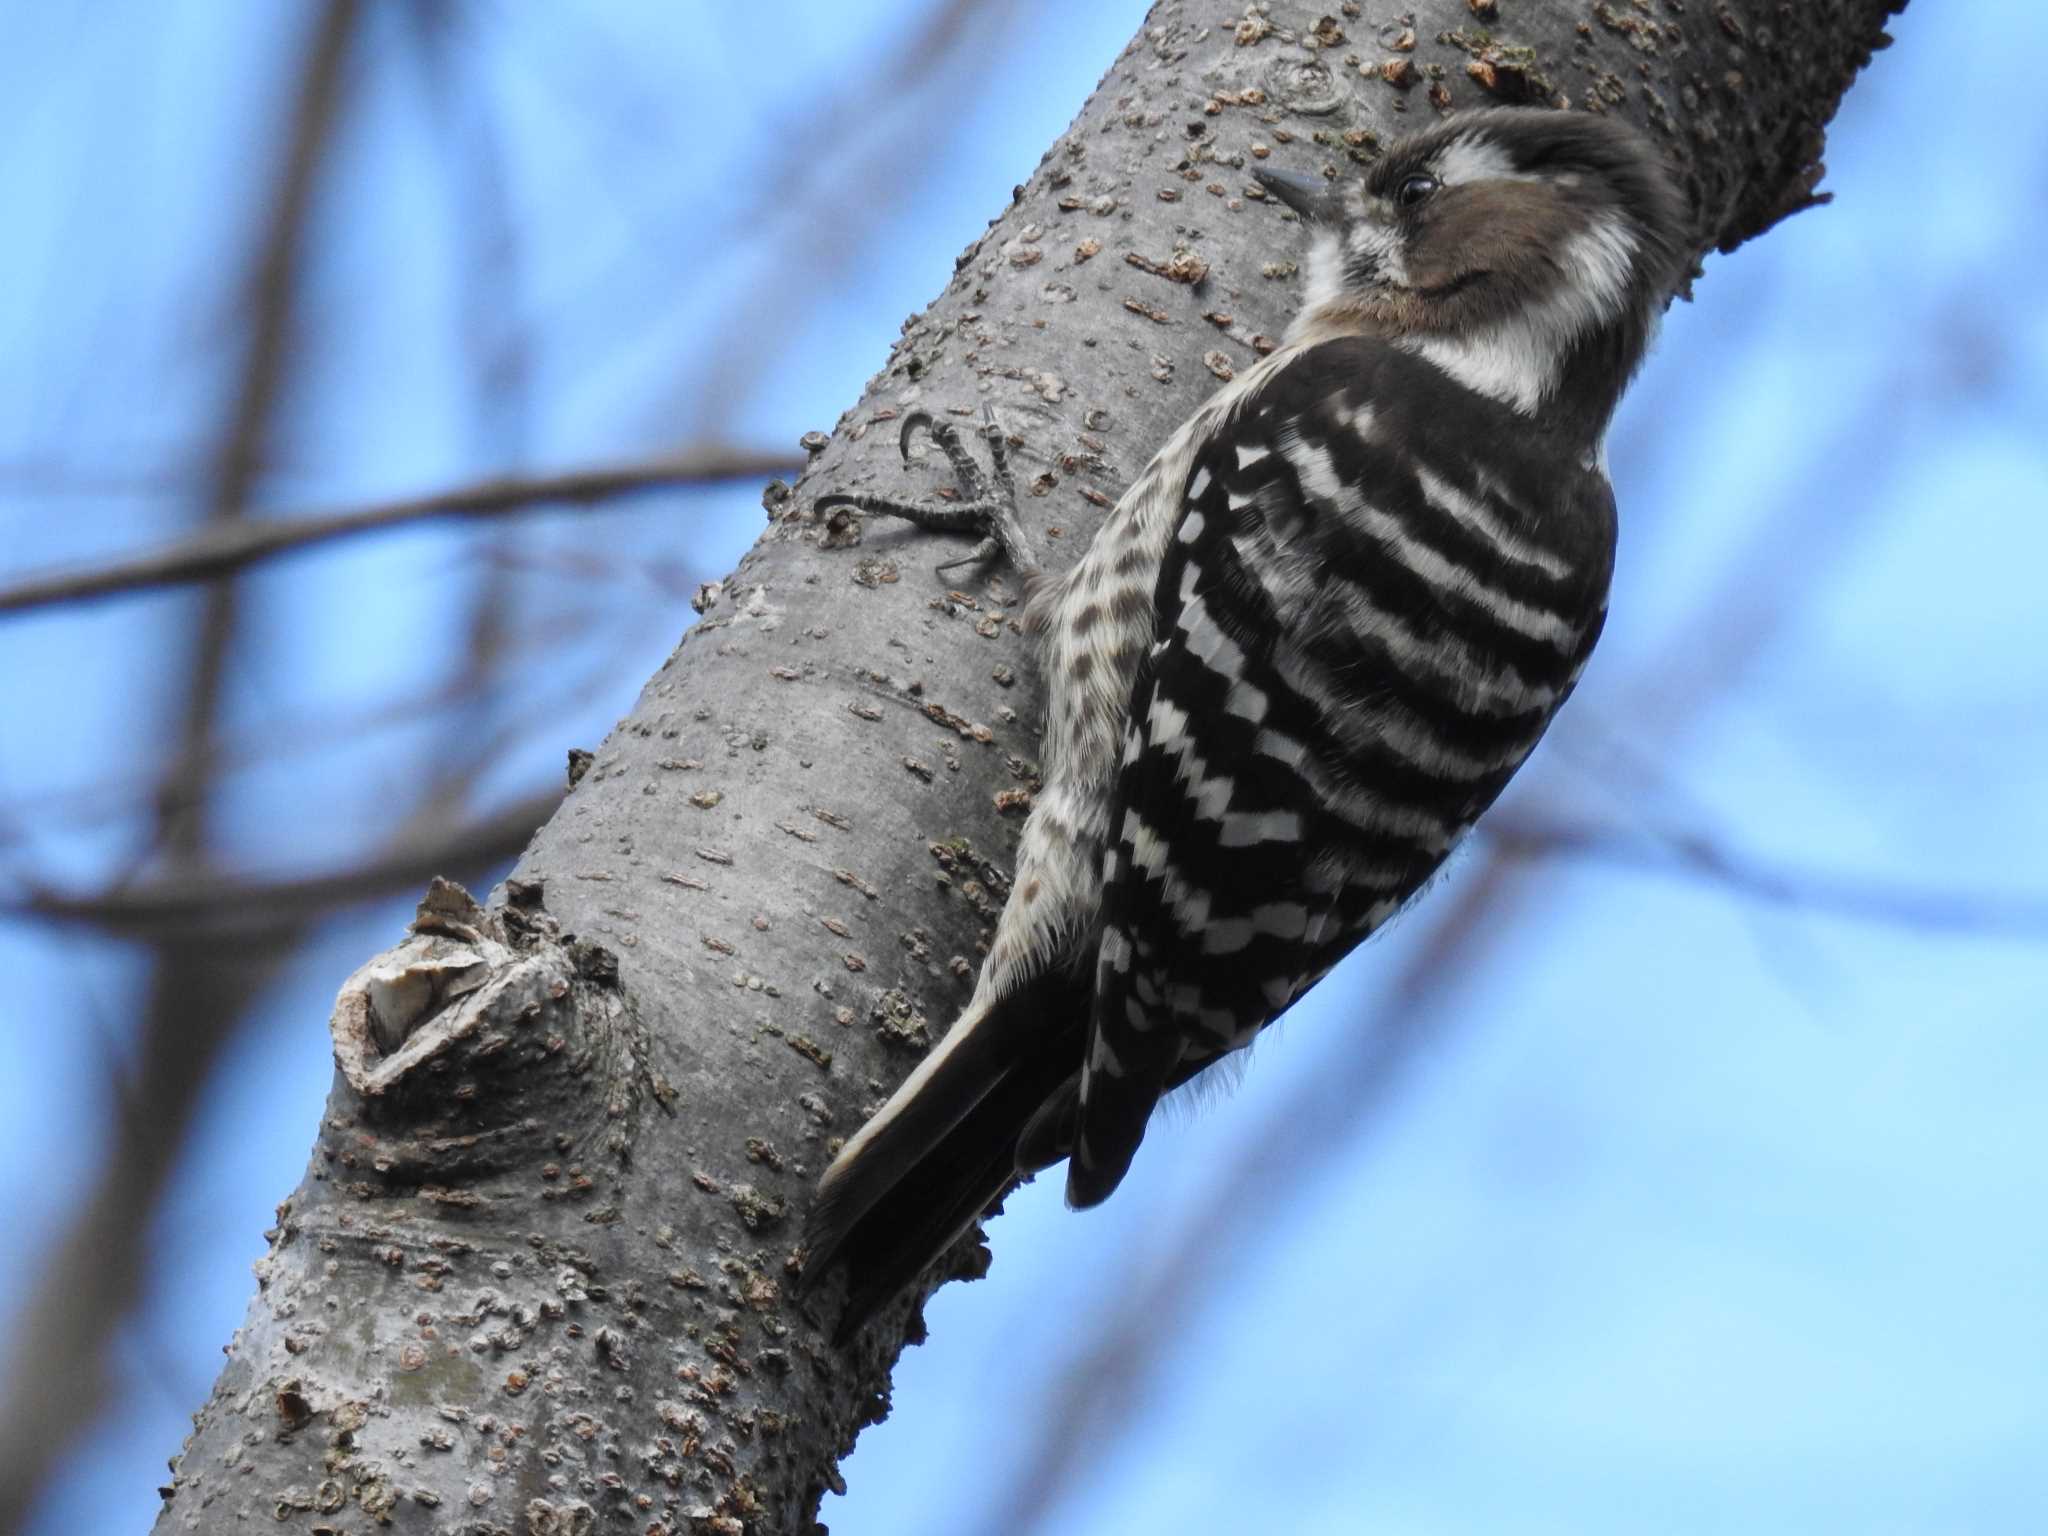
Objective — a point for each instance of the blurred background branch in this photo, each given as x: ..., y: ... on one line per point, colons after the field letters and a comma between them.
x: 196, y: 994
x: 221, y: 549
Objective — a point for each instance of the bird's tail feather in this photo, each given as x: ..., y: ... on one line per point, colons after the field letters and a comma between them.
x: 922, y: 1216
x: 1049, y: 1135
x: 944, y: 1146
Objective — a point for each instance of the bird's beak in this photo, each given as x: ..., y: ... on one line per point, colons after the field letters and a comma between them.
x: 1310, y: 196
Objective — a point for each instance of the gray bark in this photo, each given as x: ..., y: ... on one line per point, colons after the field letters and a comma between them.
x: 539, y: 1274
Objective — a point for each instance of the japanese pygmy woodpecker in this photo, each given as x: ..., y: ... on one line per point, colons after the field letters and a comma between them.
x: 1303, y: 654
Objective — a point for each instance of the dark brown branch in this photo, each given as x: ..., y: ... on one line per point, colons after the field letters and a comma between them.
x: 1694, y: 854
x: 757, y: 330
x: 197, y: 994
x: 225, y: 547
x: 223, y: 906
x: 299, y: 735
x: 182, y: 807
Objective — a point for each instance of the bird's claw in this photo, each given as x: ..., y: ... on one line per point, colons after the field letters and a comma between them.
x: 989, y: 509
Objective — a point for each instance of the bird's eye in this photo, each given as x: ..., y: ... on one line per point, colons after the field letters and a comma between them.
x: 1415, y: 190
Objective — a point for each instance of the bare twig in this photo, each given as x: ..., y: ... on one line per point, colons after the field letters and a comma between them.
x: 486, y: 259
x: 1695, y: 854
x: 182, y: 808
x: 296, y: 735
x: 224, y: 547
x: 814, y: 190
x: 226, y: 907
x: 198, y: 993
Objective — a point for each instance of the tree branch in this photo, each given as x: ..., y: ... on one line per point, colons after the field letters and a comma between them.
x: 223, y: 548
x: 227, y: 908
x: 197, y: 995
x: 1696, y: 854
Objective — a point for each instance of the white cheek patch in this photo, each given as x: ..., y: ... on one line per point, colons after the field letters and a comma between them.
x: 1600, y: 260
x: 1517, y: 360
x: 1473, y: 158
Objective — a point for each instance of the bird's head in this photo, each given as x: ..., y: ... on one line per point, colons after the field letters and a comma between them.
x: 1526, y: 251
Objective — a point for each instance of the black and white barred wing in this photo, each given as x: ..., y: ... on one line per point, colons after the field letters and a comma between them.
x: 1364, y: 625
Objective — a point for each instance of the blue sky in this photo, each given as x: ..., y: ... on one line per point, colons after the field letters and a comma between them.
x: 1677, y: 1204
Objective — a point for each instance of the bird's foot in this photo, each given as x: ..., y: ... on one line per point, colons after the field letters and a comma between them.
x: 987, y: 504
